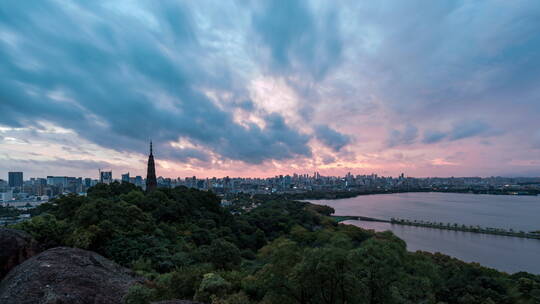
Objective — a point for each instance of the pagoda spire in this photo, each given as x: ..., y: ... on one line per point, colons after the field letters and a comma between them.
x: 151, y: 181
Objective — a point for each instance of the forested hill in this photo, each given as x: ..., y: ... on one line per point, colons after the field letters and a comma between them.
x: 272, y: 251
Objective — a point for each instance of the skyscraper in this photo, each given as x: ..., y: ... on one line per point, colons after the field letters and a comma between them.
x: 105, y: 177
x: 15, y: 179
x: 151, y: 182
x: 125, y: 178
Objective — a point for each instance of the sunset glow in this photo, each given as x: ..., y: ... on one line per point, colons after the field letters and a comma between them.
x: 249, y: 89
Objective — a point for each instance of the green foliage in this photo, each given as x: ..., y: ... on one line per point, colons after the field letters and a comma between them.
x: 9, y: 212
x: 223, y: 254
x: 276, y: 218
x: 260, y: 250
x: 212, y: 286
x: 139, y: 294
x: 181, y: 283
x: 235, y: 298
x: 322, y: 209
x: 111, y: 190
x: 313, y: 275
x: 46, y: 229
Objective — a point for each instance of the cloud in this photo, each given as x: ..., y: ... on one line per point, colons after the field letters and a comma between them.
x: 122, y: 76
x: 246, y: 105
x: 468, y: 128
x: 56, y: 166
x: 297, y: 37
x: 328, y: 159
x: 461, y: 129
x: 115, y: 74
x: 331, y: 138
x: 431, y: 136
x: 276, y: 141
x: 536, y: 140
x: 165, y: 151
x: 481, y: 61
x: 406, y: 136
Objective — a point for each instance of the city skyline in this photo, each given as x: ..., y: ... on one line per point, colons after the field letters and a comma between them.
x: 253, y: 89
x: 117, y: 176
x: 36, y: 190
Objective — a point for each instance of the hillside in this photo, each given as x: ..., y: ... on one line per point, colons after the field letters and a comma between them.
x: 269, y: 251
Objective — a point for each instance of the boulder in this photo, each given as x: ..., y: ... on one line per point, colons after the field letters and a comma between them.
x: 67, y: 275
x: 176, y: 302
x: 15, y: 247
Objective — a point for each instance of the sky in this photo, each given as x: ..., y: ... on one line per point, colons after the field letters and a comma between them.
x: 259, y: 88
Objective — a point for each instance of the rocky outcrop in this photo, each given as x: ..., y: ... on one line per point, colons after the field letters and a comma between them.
x: 15, y: 247
x: 67, y: 275
x: 176, y: 302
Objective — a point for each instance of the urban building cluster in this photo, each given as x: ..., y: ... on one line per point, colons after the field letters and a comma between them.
x: 299, y: 183
x: 21, y: 193
x: 17, y: 191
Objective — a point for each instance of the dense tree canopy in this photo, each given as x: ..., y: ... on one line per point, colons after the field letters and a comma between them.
x: 260, y: 251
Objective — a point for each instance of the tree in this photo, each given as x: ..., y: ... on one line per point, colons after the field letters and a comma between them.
x: 46, y: 229
x: 331, y: 276
x: 223, y: 254
x: 212, y: 285
x: 382, y: 257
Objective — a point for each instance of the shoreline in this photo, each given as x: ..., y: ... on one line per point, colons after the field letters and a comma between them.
x: 442, y: 226
x: 464, y: 228
x: 342, y: 218
x: 351, y: 194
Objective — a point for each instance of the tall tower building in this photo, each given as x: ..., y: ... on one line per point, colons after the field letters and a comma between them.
x: 151, y: 182
x: 15, y: 179
x: 105, y: 177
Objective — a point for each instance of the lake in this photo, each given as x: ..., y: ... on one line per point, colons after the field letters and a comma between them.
x: 505, y: 253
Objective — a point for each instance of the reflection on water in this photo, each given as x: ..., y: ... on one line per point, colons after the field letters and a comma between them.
x: 505, y: 253
x: 497, y: 211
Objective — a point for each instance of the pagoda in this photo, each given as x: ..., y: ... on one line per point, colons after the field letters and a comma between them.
x: 151, y: 182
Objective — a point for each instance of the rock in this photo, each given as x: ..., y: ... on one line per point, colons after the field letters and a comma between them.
x: 67, y: 275
x: 16, y: 247
x: 176, y: 302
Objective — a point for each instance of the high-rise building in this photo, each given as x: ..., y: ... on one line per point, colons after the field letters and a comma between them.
x: 125, y: 178
x: 151, y: 181
x: 6, y: 196
x: 15, y: 179
x: 105, y: 177
x: 139, y: 181
x: 57, y: 181
x: 88, y: 182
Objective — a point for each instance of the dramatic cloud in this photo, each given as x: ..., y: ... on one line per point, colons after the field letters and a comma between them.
x: 297, y: 38
x: 406, y: 136
x: 252, y: 86
x: 120, y: 79
x: 331, y: 138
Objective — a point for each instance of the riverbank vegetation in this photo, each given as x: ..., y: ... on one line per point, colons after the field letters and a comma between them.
x: 267, y: 251
x: 348, y: 193
x: 342, y: 218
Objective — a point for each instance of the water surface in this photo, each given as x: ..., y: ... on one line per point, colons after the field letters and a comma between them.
x: 505, y: 253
